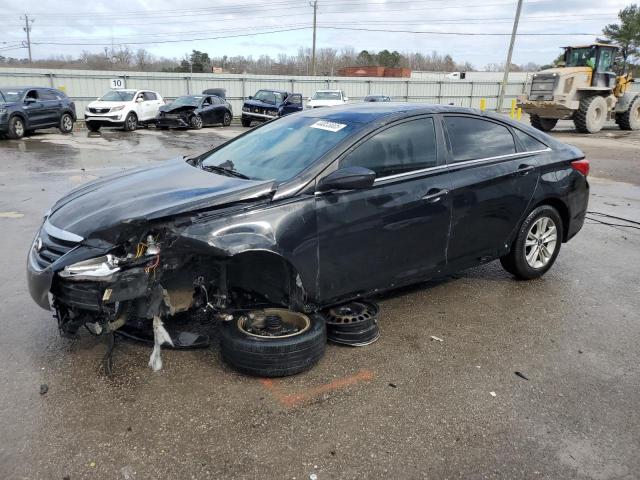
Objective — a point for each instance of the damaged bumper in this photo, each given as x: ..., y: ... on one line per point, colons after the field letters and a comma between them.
x: 172, y: 121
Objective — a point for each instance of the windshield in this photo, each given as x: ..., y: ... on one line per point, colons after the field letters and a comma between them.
x: 581, y: 57
x: 188, y: 100
x: 11, y: 94
x: 281, y: 149
x: 269, y: 96
x: 118, y: 96
x: 326, y: 96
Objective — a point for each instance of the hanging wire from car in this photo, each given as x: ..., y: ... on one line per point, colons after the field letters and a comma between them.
x: 635, y: 224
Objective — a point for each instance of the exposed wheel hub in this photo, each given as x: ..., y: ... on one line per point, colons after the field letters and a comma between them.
x: 273, y: 322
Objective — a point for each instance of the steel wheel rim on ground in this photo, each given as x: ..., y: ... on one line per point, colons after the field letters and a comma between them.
x: 256, y: 325
x: 541, y: 242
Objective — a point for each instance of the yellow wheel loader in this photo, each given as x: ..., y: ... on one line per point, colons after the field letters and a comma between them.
x: 585, y: 90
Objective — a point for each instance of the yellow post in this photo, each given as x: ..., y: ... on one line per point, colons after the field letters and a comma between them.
x: 512, y: 114
x: 483, y: 104
x: 519, y: 114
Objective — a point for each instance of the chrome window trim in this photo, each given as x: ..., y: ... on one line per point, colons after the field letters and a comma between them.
x: 456, y: 164
x: 56, y: 232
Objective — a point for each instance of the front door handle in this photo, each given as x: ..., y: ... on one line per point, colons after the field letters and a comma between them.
x: 434, y: 195
x: 525, y: 169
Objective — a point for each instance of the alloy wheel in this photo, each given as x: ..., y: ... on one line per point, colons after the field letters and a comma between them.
x: 18, y: 127
x: 67, y: 123
x: 541, y: 242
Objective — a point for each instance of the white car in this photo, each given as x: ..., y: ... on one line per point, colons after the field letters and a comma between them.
x: 327, y: 98
x: 124, y: 109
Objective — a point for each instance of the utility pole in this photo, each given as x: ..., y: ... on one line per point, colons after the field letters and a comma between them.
x: 505, y: 78
x: 27, y: 28
x: 314, y: 4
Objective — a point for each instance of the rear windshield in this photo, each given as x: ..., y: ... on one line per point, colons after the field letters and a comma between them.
x: 282, y: 148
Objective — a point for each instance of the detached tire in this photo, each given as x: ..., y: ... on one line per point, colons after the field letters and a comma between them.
x: 537, y: 244
x: 544, y: 124
x: 591, y: 115
x: 630, y: 120
x: 264, y: 356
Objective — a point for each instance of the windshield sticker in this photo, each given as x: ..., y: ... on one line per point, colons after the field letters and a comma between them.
x: 328, y: 126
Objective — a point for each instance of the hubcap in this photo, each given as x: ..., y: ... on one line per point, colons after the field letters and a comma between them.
x: 66, y: 122
x: 19, y: 128
x: 541, y: 242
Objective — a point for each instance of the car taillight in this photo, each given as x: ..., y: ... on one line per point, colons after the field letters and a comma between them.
x: 581, y: 165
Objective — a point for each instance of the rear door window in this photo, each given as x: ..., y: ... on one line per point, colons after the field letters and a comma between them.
x: 529, y: 143
x: 150, y: 96
x: 402, y: 148
x: 474, y: 138
x: 47, y: 95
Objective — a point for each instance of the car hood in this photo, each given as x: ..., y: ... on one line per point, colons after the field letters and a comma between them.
x: 324, y: 103
x: 175, y: 187
x: 258, y: 103
x: 177, y: 108
x: 7, y: 104
x: 103, y: 104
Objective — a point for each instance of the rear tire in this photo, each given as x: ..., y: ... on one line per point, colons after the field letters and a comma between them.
x: 66, y: 123
x: 544, y: 124
x: 273, y: 356
x: 130, y: 122
x: 630, y: 120
x: 246, y: 122
x: 591, y: 115
x: 16, y: 128
x: 537, y: 244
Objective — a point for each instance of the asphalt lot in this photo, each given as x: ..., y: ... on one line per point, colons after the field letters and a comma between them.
x: 404, y: 407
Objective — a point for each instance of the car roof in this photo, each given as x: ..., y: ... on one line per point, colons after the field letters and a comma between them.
x: 329, y: 90
x: 367, y: 112
x: 28, y: 87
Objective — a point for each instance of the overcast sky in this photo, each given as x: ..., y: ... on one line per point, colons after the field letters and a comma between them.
x: 139, y: 23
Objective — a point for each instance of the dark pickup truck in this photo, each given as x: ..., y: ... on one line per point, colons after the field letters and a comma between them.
x: 268, y: 104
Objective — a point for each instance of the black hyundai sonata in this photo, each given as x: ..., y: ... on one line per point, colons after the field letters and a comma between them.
x: 307, y: 212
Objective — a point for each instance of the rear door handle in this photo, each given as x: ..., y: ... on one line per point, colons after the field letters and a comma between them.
x: 525, y: 169
x: 434, y: 195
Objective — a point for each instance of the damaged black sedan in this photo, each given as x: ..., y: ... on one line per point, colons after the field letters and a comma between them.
x: 195, y: 111
x: 277, y: 227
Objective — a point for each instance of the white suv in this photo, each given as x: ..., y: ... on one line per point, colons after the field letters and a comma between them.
x: 123, y: 108
x: 327, y: 98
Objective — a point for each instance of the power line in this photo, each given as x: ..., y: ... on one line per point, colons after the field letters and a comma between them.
x: 470, y: 34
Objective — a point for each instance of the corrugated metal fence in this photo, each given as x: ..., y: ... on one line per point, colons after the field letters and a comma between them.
x: 85, y: 86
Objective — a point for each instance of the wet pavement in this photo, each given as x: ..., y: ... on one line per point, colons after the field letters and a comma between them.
x: 405, y: 407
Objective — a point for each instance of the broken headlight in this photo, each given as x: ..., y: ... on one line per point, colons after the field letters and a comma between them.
x: 98, y: 268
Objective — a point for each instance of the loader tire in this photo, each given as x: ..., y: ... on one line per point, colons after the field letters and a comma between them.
x: 591, y: 115
x: 630, y: 119
x: 544, y: 124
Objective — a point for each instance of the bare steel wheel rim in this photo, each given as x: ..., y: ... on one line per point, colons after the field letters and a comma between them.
x: 273, y: 323
x: 19, y: 128
x: 541, y: 242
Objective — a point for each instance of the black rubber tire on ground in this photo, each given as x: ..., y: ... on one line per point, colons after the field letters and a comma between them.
x: 196, y: 122
x: 591, y: 115
x: 630, y: 120
x: 131, y: 122
x: 246, y: 122
x: 273, y: 357
x: 226, y: 120
x: 66, y: 123
x: 515, y: 261
x: 163, y: 128
x: 544, y: 124
x: 16, y: 128
x: 93, y: 127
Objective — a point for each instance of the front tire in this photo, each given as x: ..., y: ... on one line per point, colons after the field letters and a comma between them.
x: 630, y: 120
x: 93, y: 127
x: 16, y: 128
x: 226, y: 121
x: 544, y: 124
x: 591, y: 115
x: 131, y: 122
x: 66, y: 123
x: 273, y: 356
x: 196, y: 122
x: 246, y: 122
x: 537, y: 244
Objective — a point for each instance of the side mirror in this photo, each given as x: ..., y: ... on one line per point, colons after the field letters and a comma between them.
x: 347, y: 178
x: 250, y: 97
x: 29, y: 100
x: 139, y: 100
